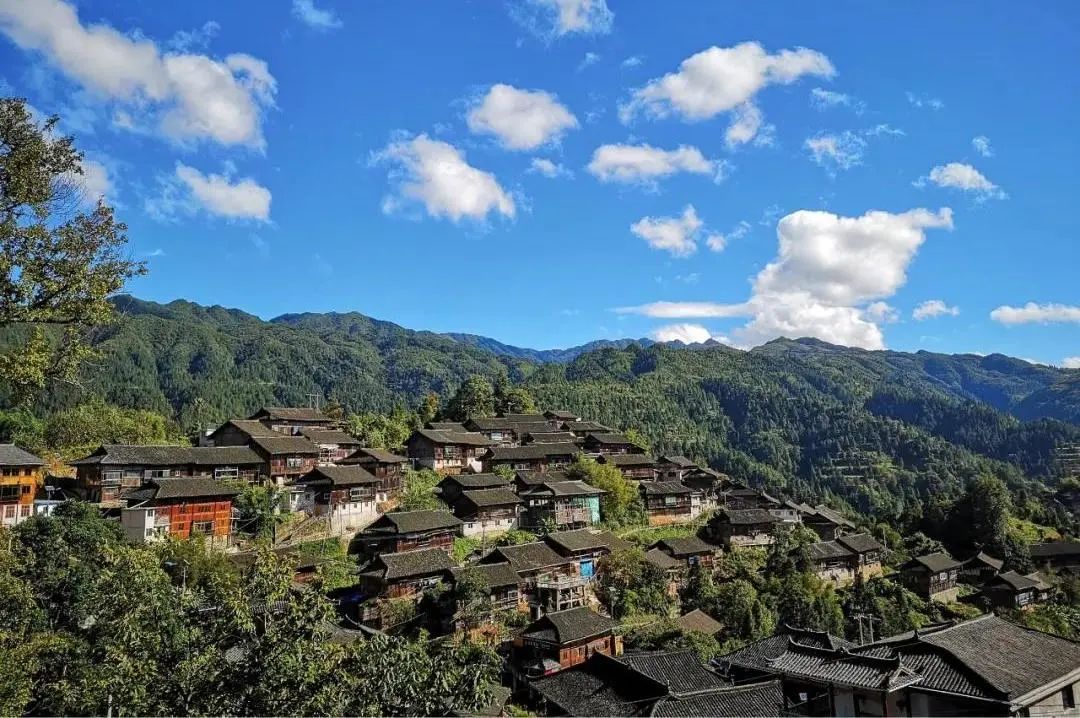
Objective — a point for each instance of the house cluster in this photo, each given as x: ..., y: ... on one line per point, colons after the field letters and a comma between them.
x: 940, y: 577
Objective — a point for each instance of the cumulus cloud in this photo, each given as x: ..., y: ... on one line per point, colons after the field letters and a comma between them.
x: 1071, y: 362
x: 633, y: 61
x: 550, y: 19
x: 1032, y: 313
x: 718, y: 242
x: 829, y: 278
x: 547, y: 168
x: 721, y: 80
x: 644, y: 164
x: 982, y: 146
x: 189, y: 191
x: 822, y: 99
x: 957, y: 175
x: 924, y: 101
x: 314, y: 17
x: 882, y: 312
x: 932, y: 308
x: 676, y: 235
x: 520, y: 119
x: 685, y: 333
x: 436, y: 175
x: 836, y: 151
x: 93, y: 184
x: 187, y: 96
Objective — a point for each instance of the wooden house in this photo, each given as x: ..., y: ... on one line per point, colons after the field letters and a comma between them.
x: 674, y: 467
x: 689, y: 551
x: 239, y: 432
x: 20, y: 476
x: 581, y: 429
x: 666, y: 502
x: 508, y: 430
x: 639, y: 467
x: 739, y: 528
x: 607, y: 442
x: 934, y: 577
x: 113, y: 469
x: 841, y: 560
x: 451, y: 487
x: 825, y: 522
x: 1062, y: 555
x: 980, y: 568
x: 334, y: 444
x: 487, y: 512
x: 348, y: 495
x: 549, y: 582
x: 1011, y: 590
x: 291, y: 420
x: 533, y: 457
x: 549, y: 437
x: 179, y: 508
x: 405, y: 574
x: 387, y: 466
x: 447, y: 451
x: 586, y: 547
x: 400, y: 531
x: 563, y: 639
x: 558, y: 505
x: 501, y: 586
x: 557, y: 417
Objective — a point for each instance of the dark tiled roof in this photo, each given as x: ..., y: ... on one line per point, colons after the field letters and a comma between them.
x: 494, y: 575
x: 661, y: 559
x: 572, y: 488
x: 599, y: 687
x: 934, y: 562
x: 290, y: 413
x: 483, y: 498
x: 680, y: 461
x: 445, y: 425
x: 576, y: 426
x: 539, y: 477
x: 338, y: 476
x: 664, y: 488
x: 826, y: 550
x: 408, y: 522
x: 686, y: 546
x: 328, y: 436
x: 381, y: 456
x: 681, y: 671
x: 747, y: 701
x: 406, y: 564
x: 557, y: 415
x: 574, y: 624
x: 527, y: 556
x: 251, y: 427
x: 476, y: 481
x: 842, y: 668
x: 860, y: 543
x: 535, y: 416
x: 824, y: 512
x: 136, y: 455
x: 698, y: 620
x: 759, y: 655
x: 585, y: 540
x: 184, y: 488
x: 1054, y: 548
x: 456, y: 438
x: 984, y: 559
x: 532, y: 451
x: 626, y: 459
x: 607, y: 437
x: 278, y: 445
x: 746, y: 517
x: 11, y: 455
x: 1015, y: 581
x: 550, y: 437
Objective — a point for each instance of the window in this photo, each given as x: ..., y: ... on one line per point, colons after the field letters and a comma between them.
x: 294, y: 462
x: 159, y: 473
x: 1067, y: 698
x: 8, y: 493
x: 111, y: 478
x: 451, y: 452
x: 226, y: 472
x: 202, y: 527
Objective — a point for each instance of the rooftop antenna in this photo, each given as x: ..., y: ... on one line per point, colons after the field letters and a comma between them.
x: 313, y: 401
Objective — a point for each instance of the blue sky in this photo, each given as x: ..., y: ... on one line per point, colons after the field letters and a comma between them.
x: 547, y: 172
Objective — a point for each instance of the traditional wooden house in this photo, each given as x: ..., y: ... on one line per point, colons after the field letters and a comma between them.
x: 179, y: 508
x: 708, y: 484
x: 674, y: 468
x: 606, y: 442
x: 557, y: 417
x: 508, y: 431
x: 1062, y: 555
x: 934, y: 577
x: 561, y: 640
x: 689, y: 551
x: 500, y: 590
x: 741, y: 497
x: 980, y: 568
x: 287, y: 457
x: 549, y: 582
x: 524, y: 480
x: 558, y: 505
x: 825, y: 522
x: 451, y: 487
x: 985, y: 666
x: 239, y: 432
x: 586, y: 547
x: 639, y: 467
x: 674, y: 570
x: 385, y: 465
x: 700, y: 622
x: 666, y: 502
x: 868, y: 552
x: 20, y: 475
x: 348, y: 495
x: 405, y: 574
x: 1010, y: 590
x: 841, y: 560
x: 534, y: 457
x: 581, y: 429
x: 501, y: 581
x: 400, y: 531
x: 446, y: 426
x: 291, y: 420
x: 448, y: 452
x: 549, y: 437
x: 334, y: 444
x: 113, y: 469
x: 488, y: 512
x: 739, y: 528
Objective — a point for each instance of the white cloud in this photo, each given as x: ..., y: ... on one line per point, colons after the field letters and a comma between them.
x: 220, y: 195
x: 547, y: 168
x: 188, y: 96
x: 94, y: 183
x: 828, y: 280
x: 932, y: 308
x: 184, y: 40
x: 591, y: 58
x: 677, y: 235
x: 719, y: 80
x: 550, y: 19
x: 882, y: 312
x: 1032, y: 313
x: 633, y: 61
x: 1071, y: 362
x: 435, y: 174
x: 957, y: 175
x: 685, y: 333
x: 822, y: 99
x: 718, y: 242
x: 982, y: 146
x: 307, y: 13
x: 926, y: 101
x: 839, y: 151
x: 520, y: 119
x: 644, y: 164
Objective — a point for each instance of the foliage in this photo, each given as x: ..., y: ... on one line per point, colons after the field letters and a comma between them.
x: 629, y: 585
x: 464, y: 546
x: 59, y: 263
x: 638, y: 439
x: 1060, y: 620
x: 664, y: 634
x: 471, y: 597
x: 382, y: 431
x: 259, y: 510
x: 76, y: 432
x: 515, y: 537
x: 804, y: 600
x: 620, y: 505
x: 895, y: 608
x: 475, y: 397
x: 418, y: 490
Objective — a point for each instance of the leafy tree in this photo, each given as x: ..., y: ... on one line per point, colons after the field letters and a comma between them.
x: 58, y: 264
x: 260, y: 510
x: 418, y: 490
x: 981, y: 516
x: 621, y: 504
x: 514, y: 400
x: 664, y: 634
x: 638, y: 439
x: 805, y: 601
x: 82, y: 429
x: 471, y: 598
x: 382, y: 431
x: 738, y: 606
x: 476, y: 397
x: 630, y: 585
x: 429, y: 408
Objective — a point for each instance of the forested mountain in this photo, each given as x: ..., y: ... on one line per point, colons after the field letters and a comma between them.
x: 559, y: 356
